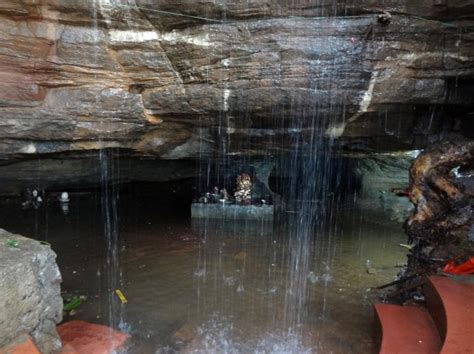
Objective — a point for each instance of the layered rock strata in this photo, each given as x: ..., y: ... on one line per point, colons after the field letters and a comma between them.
x: 171, y: 80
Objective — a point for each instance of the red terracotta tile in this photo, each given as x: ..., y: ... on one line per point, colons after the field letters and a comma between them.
x: 87, y: 338
x: 451, y: 305
x: 22, y: 345
x: 406, y: 329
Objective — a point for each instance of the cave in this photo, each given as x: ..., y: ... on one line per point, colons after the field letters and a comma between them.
x: 262, y: 176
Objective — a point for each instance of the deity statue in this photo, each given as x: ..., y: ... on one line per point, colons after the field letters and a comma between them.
x: 224, y: 194
x: 243, y: 192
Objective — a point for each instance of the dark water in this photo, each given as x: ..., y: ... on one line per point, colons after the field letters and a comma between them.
x: 216, y: 286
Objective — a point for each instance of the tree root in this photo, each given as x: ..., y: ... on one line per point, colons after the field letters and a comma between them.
x: 438, y: 227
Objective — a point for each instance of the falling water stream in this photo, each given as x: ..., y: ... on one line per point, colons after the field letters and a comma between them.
x: 109, y: 274
x: 295, y: 285
x: 306, y: 253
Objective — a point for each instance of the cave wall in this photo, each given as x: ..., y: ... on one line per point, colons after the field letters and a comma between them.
x: 156, y: 80
x: 84, y: 172
x: 383, y: 180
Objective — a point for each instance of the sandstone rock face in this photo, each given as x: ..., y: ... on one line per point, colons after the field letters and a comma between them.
x: 30, y: 294
x: 187, y: 79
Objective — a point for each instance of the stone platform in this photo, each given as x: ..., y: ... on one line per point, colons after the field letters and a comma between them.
x: 232, y: 211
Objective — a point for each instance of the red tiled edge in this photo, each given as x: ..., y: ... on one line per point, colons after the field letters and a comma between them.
x: 22, y: 345
x: 406, y: 329
x: 451, y: 304
x: 88, y: 338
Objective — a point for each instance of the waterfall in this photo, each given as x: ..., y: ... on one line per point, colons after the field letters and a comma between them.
x: 109, y: 196
x: 308, y: 206
x: 305, y: 222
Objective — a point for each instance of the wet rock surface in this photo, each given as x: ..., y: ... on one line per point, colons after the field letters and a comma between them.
x: 84, y: 171
x: 383, y: 184
x: 30, y: 295
x: 156, y: 79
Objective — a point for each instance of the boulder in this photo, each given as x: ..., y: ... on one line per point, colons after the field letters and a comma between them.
x: 30, y: 294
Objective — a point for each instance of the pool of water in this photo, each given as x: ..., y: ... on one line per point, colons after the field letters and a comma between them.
x: 214, y: 286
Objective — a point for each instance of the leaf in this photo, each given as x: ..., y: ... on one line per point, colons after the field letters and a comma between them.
x: 73, y: 304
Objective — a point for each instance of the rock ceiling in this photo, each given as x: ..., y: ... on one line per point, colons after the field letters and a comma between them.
x: 173, y: 79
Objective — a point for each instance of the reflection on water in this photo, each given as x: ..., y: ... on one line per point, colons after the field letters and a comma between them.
x: 216, y: 286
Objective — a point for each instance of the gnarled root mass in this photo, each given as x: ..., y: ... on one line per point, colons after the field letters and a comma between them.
x: 438, y: 227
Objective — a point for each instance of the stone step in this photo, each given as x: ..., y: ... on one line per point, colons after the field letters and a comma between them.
x: 451, y: 305
x: 406, y: 329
